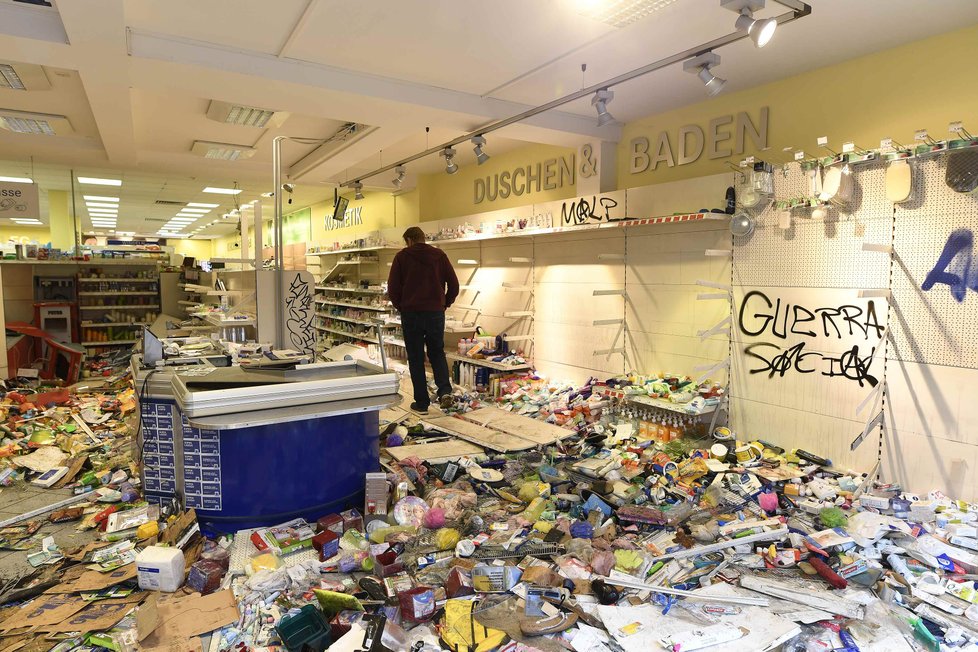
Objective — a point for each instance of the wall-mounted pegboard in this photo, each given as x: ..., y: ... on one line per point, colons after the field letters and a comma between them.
x: 816, y: 252
x: 933, y: 326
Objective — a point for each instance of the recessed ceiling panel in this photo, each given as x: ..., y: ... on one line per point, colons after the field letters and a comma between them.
x: 256, y: 25
x: 468, y: 46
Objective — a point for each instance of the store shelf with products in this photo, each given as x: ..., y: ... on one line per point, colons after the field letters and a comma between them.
x: 114, y: 306
x: 346, y: 334
x: 361, y: 306
x: 153, y: 306
x: 352, y: 290
x: 353, y: 250
x: 488, y: 363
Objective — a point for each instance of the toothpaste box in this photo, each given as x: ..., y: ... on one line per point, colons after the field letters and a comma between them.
x: 875, y: 502
x: 962, y: 530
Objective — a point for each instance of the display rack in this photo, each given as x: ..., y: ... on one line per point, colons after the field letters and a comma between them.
x: 115, y: 306
x: 351, y: 300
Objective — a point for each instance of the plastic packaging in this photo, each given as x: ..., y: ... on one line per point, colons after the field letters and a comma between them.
x: 160, y: 569
x: 354, y: 540
x: 417, y: 604
x: 217, y: 554
x: 265, y: 561
x: 205, y: 576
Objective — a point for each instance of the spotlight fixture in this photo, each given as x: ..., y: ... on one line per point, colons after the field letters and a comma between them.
x: 399, y: 179
x: 600, y: 104
x: 289, y: 188
x: 480, y: 156
x: 450, y: 166
x: 760, y: 30
x: 700, y: 66
x: 358, y: 187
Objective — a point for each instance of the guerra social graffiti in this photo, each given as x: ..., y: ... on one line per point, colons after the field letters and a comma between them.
x: 781, y: 320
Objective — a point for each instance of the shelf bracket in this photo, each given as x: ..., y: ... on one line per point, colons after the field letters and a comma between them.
x: 715, y: 286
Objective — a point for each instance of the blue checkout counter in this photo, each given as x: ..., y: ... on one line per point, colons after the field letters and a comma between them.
x: 249, y: 448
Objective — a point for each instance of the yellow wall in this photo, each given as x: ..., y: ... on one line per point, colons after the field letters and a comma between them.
x: 889, y: 94
x: 40, y: 235
x: 199, y: 249
x: 377, y: 212
x: 451, y: 195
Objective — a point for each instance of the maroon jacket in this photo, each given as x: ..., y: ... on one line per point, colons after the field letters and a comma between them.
x: 418, y: 280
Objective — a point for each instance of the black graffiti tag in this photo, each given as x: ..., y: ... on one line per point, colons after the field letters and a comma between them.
x: 582, y: 211
x: 759, y: 316
x: 298, y: 308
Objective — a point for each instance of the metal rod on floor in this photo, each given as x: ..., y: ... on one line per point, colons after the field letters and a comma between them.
x: 44, y: 510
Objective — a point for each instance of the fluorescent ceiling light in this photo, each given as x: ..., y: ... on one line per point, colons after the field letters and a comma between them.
x: 27, y: 221
x: 222, y: 191
x: 92, y: 204
x: 10, y: 79
x: 620, y: 13
x: 111, y: 216
x: 222, y: 151
x: 16, y: 180
x: 108, y: 211
x: 100, y: 198
x: 195, y: 210
x: 248, y: 116
x: 196, y: 205
x: 43, y: 124
x: 100, y: 182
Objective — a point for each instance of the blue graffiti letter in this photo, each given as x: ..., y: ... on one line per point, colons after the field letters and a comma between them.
x: 959, y: 241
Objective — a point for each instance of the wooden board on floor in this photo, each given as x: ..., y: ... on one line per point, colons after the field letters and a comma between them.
x: 485, y: 437
x: 438, y: 452
x: 514, y: 424
x: 392, y: 415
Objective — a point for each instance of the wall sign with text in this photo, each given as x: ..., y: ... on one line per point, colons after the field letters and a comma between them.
x: 526, y: 179
x: 722, y: 137
x: 352, y: 217
x: 19, y: 200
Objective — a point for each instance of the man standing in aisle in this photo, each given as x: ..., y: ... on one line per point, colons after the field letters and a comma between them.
x: 421, y: 285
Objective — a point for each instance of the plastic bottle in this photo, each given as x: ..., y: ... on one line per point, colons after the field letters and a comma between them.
x: 129, y: 493
x: 533, y: 511
x: 353, y: 540
x: 663, y: 431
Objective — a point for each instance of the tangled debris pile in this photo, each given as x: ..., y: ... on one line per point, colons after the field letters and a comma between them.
x: 629, y: 529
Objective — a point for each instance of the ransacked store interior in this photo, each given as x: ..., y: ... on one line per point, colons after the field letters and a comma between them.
x: 572, y: 325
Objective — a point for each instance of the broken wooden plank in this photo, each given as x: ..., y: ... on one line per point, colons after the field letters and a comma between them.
x: 487, y: 438
x: 437, y: 452
x: 536, y: 431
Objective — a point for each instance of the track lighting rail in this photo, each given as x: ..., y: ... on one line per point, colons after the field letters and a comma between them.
x: 798, y: 9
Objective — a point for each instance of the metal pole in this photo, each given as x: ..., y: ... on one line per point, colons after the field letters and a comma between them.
x: 277, y: 234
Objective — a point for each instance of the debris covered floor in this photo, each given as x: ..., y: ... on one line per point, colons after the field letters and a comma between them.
x: 548, y: 518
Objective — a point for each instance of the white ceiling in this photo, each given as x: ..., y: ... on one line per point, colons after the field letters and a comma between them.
x: 135, y: 78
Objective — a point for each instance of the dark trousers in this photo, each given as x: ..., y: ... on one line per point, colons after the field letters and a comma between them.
x: 423, y: 329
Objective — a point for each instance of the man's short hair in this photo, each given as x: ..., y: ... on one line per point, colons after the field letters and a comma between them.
x: 414, y: 234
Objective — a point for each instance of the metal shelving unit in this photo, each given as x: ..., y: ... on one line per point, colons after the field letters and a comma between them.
x: 132, y: 293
